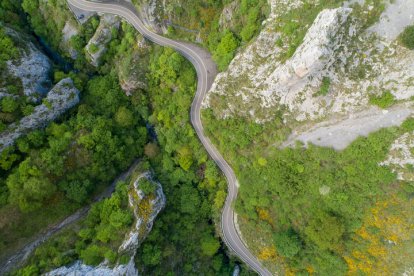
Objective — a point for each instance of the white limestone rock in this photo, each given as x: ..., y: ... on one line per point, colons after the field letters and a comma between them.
x: 69, y: 31
x: 62, y: 97
x: 226, y: 20
x: 317, y: 50
x: 397, y: 15
x: 32, y: 68
x: 143, y: 223
x: 101, y: 38
x: 260, y: 81
x: 78, y: 268
x: 132, y: 240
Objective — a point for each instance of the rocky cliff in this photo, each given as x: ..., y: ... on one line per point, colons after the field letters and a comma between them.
x: 32, y: 67
x: 340, y: 65
x: 146, y: 205
x: 62, y: 97
x: 96, y: 47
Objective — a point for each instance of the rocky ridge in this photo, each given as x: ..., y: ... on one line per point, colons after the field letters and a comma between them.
x: 96, y: 46
x: 356, y: 64
x: 146, y: 208
x: 32, y: 68
x: 62, y: 97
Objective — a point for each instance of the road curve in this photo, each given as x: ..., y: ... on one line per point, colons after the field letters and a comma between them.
x: 206, y: 72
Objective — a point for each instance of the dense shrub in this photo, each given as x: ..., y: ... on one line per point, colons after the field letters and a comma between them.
x: 407, y: 37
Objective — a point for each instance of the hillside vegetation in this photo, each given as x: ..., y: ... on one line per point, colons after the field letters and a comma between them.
x: 307, y: 209
x: 51, y: 172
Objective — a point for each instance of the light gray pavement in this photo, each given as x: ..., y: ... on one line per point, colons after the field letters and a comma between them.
x: 206, y: 72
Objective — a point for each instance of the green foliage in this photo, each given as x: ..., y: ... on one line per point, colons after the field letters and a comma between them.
x: 383, y: 101
x: 8, y: 49
x: 325, y: 230
x: 93, y: 48
x: 147, y: 186
x: 105, y: 227
x: 287, y: 189
x: 92, y: 255
x: 326, y: 83
x: 29, y: 187
x: 209, y: 246
x: 124, y: 117
x: 191, y: 183
x: 255, y: 15
x: 151, y: 255
x: 10, y: 12
x: 9, y: 104
x: 226, y: 50
x: 288, y: 243
x: 92, y: 146
x: 407, y: 37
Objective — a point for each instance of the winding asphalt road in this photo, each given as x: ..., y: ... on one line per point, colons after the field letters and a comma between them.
x: 206, y: 72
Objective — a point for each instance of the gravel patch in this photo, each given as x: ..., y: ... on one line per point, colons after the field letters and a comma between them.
x: 338, y: 134
x: 394, y: 19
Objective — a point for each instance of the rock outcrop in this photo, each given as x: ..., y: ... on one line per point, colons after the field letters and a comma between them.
x: 32, y: 68
x: 69, y: 31
x: 152, y: 13
x: 78, y: 268
x: 96, y: 47
x: 401, y: 157
x: 63, y: 96
x: 146, y: 207
x: 338, y: 53
x: 226, y: 20
x: 323, y: 38
x: 260, y: 80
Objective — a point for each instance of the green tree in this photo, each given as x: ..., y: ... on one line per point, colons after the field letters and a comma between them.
x: 9, y: 104
x: 29, y: 187
x: 185, y: 158
x: 209, y: 246
x: 120, y: 218
x: 151, y: 255
x: 225, y: 50
x: 325, y: 230
x: 407, y: 37
x: 124, y: 117
x: 190, y: 200
x: 92, y: 255
x: 146, y: 186
x: 288, y: 243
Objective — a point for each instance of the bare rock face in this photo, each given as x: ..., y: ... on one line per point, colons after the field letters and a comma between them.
x: 312, y: 58
x: 96, y: 47
x: 78, y: 268
x: 397, y: 15
x: 152, y: 13
x: 226, y: 17
x: 146, y: 208
x: 32, y: 69
x: 259, y: 81
x: 63, y: 96
x: 68, y: 32
x: 320, y: 42
x: 132, y: 68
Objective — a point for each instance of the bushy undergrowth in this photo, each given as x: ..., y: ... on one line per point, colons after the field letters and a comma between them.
x: 407, y: 37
